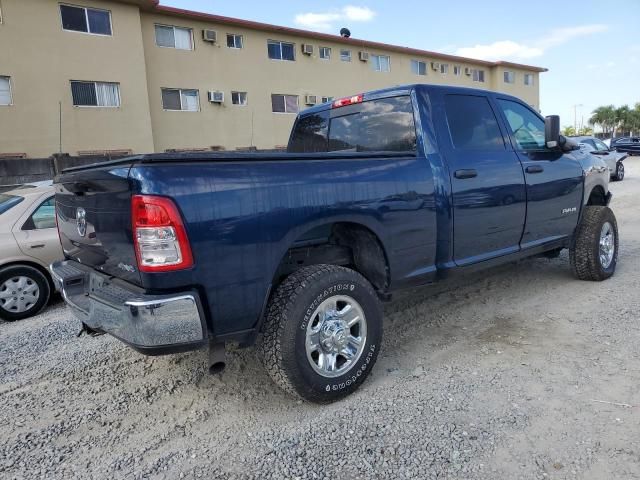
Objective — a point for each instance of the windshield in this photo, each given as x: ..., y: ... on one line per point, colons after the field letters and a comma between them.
x: 8, y: 201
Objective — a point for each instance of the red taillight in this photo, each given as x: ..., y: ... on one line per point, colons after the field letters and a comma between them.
x: 343, y: 102
x: 159, y: 236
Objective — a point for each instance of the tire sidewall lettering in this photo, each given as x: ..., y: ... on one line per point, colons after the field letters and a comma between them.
x: 340, y: 288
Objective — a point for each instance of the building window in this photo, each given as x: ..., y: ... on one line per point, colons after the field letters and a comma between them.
x: 345, y: 55
x: 179, y: 99
x: 234, y: 41
x: 87, y: 20
x: 327, y: 99
x: 457, y: 70
x: 380, y: 63
x: 280, y: 50
x: 444, y: 68
x: 239, y: 98
x: 95, y: 94
x: 5, y: 91
x: 325, y: 53
x: 284, y: 103
x: 509, y: 77
x: 418, y: 68
x: 477, y: 75
x: 528, y: 79
x: 174, y: 37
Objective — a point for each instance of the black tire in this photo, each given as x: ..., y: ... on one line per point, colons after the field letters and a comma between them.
x: 619, y: 176
x: 585, y: 251
x: 33, y: 275
x: 282, y: 345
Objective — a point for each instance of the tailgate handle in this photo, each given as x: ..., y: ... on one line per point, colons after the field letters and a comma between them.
x: 465, y: 173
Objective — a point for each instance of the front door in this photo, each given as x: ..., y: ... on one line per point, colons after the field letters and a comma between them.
x: 489, y: 197
x: 554, y: 180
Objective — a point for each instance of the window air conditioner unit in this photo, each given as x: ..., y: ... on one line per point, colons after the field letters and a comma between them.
x: 363, y: 56
x: 310, y: 99
x: 216, y: 97
x: 435, y: 65
x: 307, y: 49
x: 467, y: 71
x: 209, y: 35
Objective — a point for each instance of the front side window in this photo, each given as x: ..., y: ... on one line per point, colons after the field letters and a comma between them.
x: 477, y: 75
x: 380, y: 63
x: 472, y: 123
x: 325, y: 53
x: 174, y: 37
x: 528, y: 79
x: 526, y: 127
x: 95, y: 94
x: 345, y: 55
x: 280, y: 50
x: 418, y: 68
x: 284, y: 103
x: 600, y: 145
x: 87, y: 20
x: 509, y: 77
x: 239, y: 98
x: 5, y: 91
x: 43, y: 217
x: 187, y: 100
x: 384, y: 125
x: 234, y: 41
x: 444, y: 68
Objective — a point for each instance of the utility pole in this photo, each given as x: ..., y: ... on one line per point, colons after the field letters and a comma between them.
x: 575, y: 117
x: 59, y: 127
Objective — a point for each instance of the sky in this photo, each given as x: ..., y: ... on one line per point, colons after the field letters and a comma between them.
x: 591, y: 48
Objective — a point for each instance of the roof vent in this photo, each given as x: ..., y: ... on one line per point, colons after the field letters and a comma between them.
x: 344, y: 32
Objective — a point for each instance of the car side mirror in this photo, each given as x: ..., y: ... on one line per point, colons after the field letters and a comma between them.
x: 552, y: 137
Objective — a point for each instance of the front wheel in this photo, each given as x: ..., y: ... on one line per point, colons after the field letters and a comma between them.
x: 322, y: 333
x: 594, y: 253
x: 619, y: 176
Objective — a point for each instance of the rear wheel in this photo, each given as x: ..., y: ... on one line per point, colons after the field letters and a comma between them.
x: 24, y: 291
x: 322, y: 333
x: 594, y: 254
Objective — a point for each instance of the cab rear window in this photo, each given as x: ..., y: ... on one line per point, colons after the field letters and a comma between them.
x: 384, y: 125
x: 8, y: 201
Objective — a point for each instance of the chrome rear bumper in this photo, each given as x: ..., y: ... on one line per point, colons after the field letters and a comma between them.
x: 152, y: 324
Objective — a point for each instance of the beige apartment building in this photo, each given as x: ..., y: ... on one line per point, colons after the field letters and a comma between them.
x: 88, y: 76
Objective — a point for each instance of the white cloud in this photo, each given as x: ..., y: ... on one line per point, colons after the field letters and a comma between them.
x: 509, y: 49
x: 327, y: 20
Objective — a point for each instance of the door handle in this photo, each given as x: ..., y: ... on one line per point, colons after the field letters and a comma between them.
x: 534, y: 169
x: 465, y: 173
x: 39, y: 245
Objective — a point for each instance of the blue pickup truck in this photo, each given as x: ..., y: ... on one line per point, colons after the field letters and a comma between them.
x: 295, y: 251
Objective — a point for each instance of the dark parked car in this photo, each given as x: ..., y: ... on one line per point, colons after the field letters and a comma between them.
x: 379, y: 192
x: 630, y: 145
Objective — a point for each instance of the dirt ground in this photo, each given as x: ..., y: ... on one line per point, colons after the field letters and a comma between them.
x: 521, y: 372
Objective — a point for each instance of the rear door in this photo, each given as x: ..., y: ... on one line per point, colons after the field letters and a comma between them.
x: 489, y: 202
x: 554, y: 180
x: 36, y: 232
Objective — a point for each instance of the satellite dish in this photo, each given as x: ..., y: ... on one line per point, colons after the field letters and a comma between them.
x: 345, y: 32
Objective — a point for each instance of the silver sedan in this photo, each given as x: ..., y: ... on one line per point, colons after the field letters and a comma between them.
x: 612, y: 158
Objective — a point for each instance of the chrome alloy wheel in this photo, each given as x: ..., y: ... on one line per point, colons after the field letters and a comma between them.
x: 19, y: 294
x: 607, y: 245
x: 336, y: 336
x: 620, y: 171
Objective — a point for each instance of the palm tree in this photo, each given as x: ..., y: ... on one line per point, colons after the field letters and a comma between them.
x: 605, y: 117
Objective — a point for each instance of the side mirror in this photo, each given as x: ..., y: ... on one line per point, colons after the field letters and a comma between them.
x: 552, y: 131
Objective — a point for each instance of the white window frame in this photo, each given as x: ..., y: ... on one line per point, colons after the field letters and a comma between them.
x: 246, y: 98
x: 193, y: 43
x: 326, y: 99
x: 285, y: 103
x: 457, y: 70
x: 344, y: 58
x: 530, y: 76
x: 95, y: 83
x: 444, y: 68
x: 236, y: 36
x: 180, y: 90
x: 376, y: 67
x: 509, y: 74
x: 10, y: 92
x: 418, y: 62
x: 280, y: 42
x: 327, y: 52
x: 86, y: 17
x: 475, y: 75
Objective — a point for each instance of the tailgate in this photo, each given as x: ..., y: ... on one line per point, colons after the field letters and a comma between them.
x: 93, y: 208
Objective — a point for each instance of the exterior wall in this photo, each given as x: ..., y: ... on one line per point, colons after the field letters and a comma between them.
x: 42, y: 59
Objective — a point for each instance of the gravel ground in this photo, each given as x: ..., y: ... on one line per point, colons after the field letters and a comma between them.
x: 501, y: 375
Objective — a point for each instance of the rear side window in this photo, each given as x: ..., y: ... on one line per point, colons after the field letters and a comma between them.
x: 8, y: 201
x: 472, y: 123
x: 384, y: 125
x: 310, y: 133
x: 43, y: 217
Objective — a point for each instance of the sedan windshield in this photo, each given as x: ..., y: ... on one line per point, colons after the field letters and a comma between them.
x: 8, y: 201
